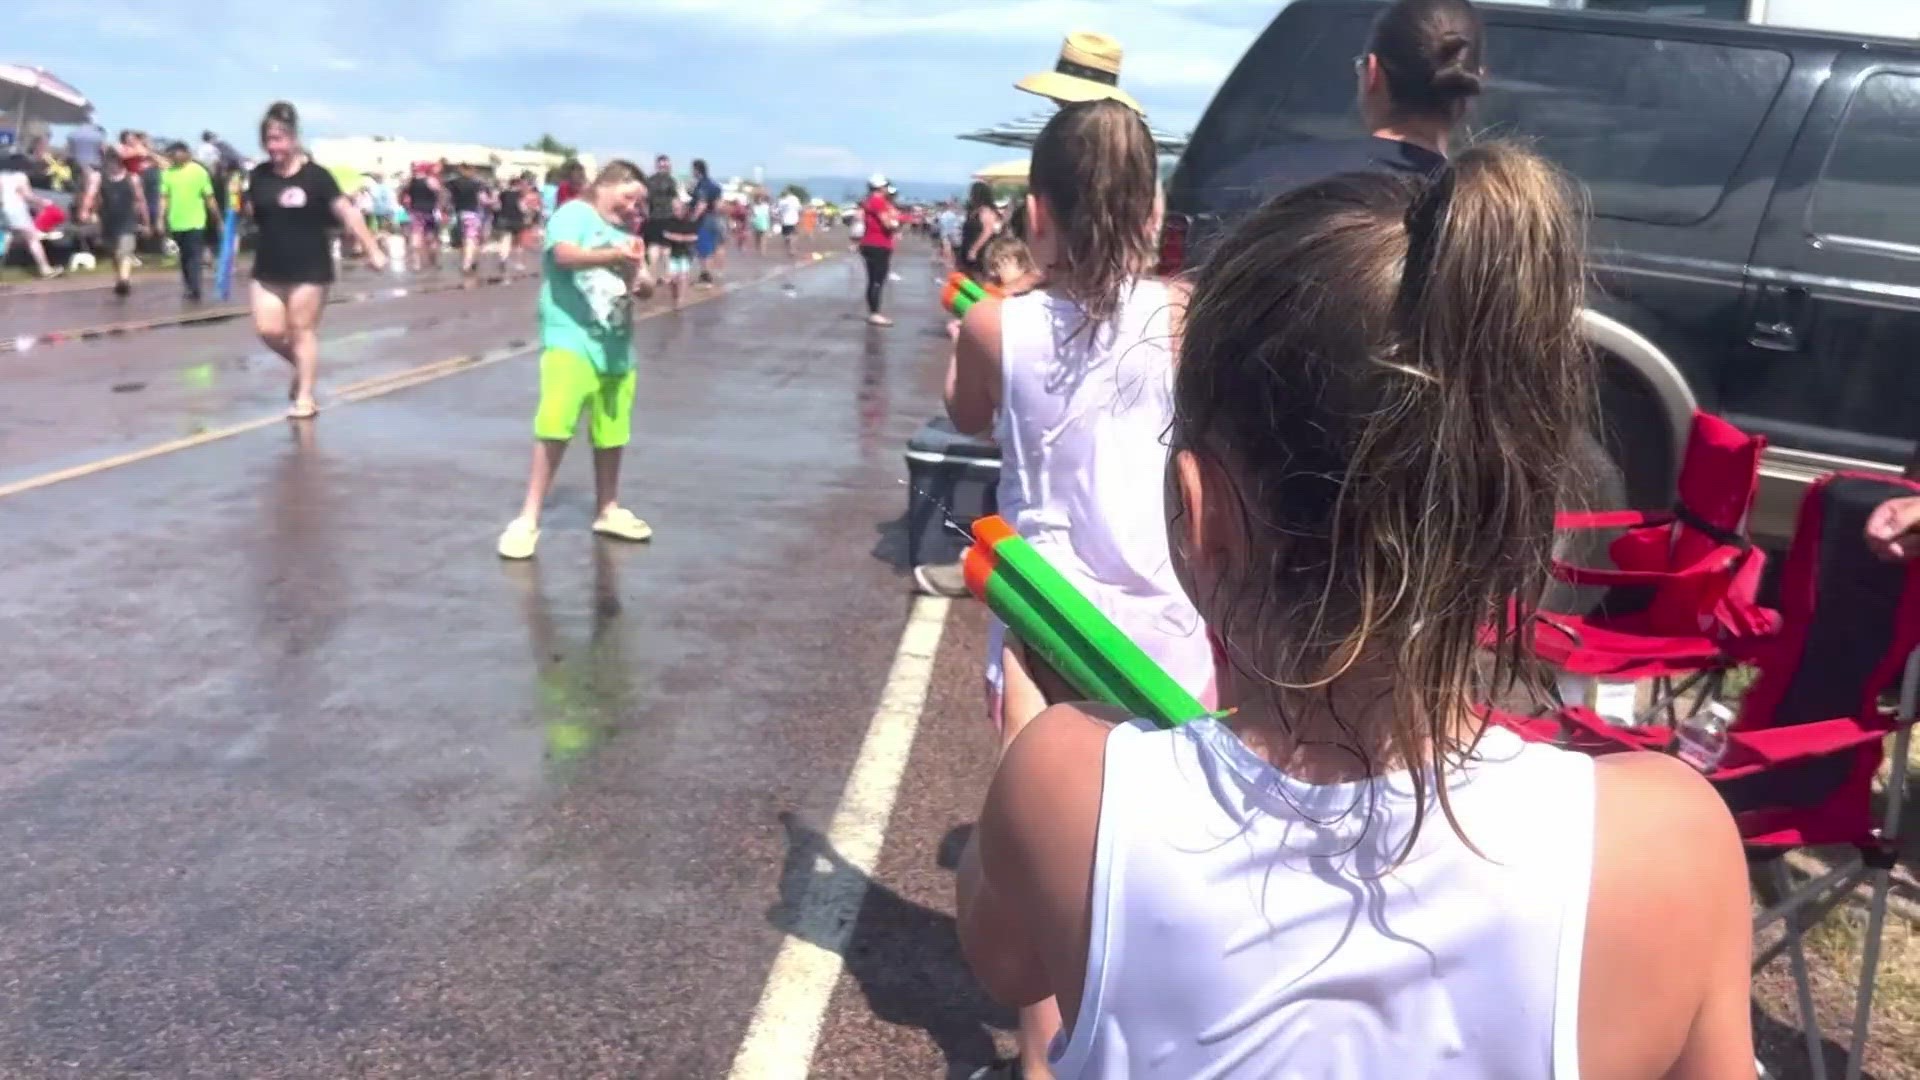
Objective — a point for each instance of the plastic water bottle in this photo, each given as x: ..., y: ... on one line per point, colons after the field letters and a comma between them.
x: 1702, y: 739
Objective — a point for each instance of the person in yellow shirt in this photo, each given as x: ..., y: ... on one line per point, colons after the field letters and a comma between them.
x: 186, y: 206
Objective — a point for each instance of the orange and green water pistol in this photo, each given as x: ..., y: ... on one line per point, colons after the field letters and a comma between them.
x: 1043, y: 609
x: 962, y: 292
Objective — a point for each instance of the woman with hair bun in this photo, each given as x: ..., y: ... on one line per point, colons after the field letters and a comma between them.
x: 1418, y: 73
x: 295, y: 206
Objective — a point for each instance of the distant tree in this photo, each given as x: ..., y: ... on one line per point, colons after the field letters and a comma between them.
x: 795, y: 189
x: 547, y: 144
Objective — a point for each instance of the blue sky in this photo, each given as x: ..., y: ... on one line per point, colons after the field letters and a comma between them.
x: 801, y: 87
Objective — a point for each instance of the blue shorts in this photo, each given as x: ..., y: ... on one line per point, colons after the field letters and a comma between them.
x: 708, y: 243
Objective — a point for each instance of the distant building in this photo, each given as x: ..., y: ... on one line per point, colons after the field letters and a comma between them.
x: 388, y: 156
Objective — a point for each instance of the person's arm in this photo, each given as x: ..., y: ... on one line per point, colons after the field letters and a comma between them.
x: 1022, y: 891
x: 208, y: 195
x: 142, y: 219
x: 160, y: 217
x: 973, y: 374
x: 90, y: 198
x: 1892, y: 528
x: 1669, y: 927
x: 989, y: 225
x: 571, y: 256
x: 350, y: 219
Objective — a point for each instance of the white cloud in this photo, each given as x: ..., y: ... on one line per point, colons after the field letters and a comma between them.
x: 836, y: 160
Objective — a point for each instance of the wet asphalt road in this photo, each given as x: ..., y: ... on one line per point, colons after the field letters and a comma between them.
x: 300, y: 780
x: 157, y: 296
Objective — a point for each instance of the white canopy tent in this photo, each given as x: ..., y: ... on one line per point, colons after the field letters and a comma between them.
x: 1020, y: 134
x: 31, y: 94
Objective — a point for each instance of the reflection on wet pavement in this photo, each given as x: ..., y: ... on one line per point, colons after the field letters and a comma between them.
x: 300, y: 781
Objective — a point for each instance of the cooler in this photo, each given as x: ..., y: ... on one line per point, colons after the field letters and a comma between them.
x: 948, y: 474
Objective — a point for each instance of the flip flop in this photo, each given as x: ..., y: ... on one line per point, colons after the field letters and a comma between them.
x: 303, y: 410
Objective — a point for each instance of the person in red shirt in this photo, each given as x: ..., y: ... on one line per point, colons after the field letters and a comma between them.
x: 881, y: 220
x: 573, y: 180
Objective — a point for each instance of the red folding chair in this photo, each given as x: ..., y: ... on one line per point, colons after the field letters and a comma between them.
x: 1810, y: 735
x: 1683, y: 583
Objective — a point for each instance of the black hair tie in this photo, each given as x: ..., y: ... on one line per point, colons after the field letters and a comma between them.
x: 1426, y: 224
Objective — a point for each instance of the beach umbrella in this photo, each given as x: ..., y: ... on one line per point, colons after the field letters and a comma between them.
x: 1007, y: 172
x: 31, y: 91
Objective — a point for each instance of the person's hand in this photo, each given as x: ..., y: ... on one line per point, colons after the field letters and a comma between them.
x: 377, y: 255
x: 1891, y: 529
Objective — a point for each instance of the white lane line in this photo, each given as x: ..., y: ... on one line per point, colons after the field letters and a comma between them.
x: 785, y: 1028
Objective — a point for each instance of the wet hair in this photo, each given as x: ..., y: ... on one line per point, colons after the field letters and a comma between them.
x: 177, y: 148
x: 979, y: 195
x: 1432, y: 54
x: 1006, y: 251
x: 283, y: 114
x: 700, y: 167
x: 1094, y: 165
x: 1387, y: 373
x: 617, y: 171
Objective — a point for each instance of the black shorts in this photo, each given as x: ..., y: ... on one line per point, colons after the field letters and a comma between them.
x: 654, y: 232
x: 789, y: 230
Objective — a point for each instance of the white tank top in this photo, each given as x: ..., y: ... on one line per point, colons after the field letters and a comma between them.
x: 1245, y: 924
x: 1082, y: 431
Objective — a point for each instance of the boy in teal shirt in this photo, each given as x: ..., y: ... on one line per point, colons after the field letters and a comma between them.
x: 186, y: 205
x: 589, y: 271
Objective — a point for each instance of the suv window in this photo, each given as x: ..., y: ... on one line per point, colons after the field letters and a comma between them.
x: 1866, y: 193
x: 1655, y: 127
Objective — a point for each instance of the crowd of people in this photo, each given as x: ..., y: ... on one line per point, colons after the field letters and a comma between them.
x: 1305, y: 480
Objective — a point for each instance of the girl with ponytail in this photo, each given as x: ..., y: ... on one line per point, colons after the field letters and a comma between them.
x: 1378, y: 398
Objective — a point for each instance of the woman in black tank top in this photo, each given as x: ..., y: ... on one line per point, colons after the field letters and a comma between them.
x: 983, y: 221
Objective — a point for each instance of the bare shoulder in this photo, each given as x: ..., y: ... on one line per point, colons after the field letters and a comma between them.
x: 1660, y: 833
x: 1062, y: 739
x: 1654, y: 794
x: 1668, y: 921
x: 980, y: 330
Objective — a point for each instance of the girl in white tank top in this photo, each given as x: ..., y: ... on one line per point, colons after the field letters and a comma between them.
x: 1379, y: 386
x: 1076, y: 381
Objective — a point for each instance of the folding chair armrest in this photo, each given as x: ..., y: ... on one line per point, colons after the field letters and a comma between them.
x: 1770, y: 748
x: 1572, y: 520
x: 1718, y: 561
x: 1596, y: 727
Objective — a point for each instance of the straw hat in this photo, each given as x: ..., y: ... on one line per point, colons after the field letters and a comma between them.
x: 1088, y: 70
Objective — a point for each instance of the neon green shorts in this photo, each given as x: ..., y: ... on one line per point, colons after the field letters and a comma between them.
x: 568, y: 384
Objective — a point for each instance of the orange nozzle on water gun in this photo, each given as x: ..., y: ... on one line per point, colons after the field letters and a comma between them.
x: 1045, y: 611
x: 962, y: 292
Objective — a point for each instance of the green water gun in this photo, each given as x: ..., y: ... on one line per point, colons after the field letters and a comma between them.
x: 962, y: 292
x: 1048, y: 614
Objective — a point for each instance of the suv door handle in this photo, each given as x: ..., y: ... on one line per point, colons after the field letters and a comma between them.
x: 1774, y: 336
x: 1778, y: 328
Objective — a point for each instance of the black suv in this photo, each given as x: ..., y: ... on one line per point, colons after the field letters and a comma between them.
x: 1756, y: 201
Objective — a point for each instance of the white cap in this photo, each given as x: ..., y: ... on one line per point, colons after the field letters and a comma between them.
x: 877, y: 180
